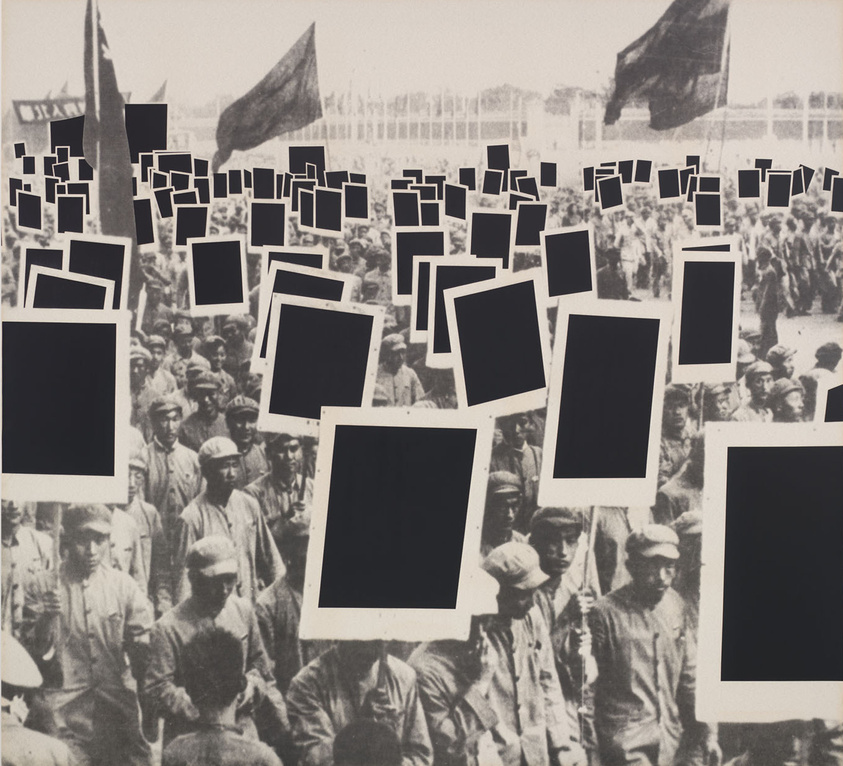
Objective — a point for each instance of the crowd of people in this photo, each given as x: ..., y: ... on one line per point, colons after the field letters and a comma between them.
x: 182, y: 606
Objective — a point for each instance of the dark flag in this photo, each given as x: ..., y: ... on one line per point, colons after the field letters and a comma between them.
x: 160, y: 94
x: 286, y: 99
x: 680, y: 65
x: 106, y: 145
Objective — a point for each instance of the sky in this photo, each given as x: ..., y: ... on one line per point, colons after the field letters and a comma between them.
x: 206, y: 48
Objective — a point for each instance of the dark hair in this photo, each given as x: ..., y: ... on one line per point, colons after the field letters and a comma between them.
x: 213, y: 668
x: 367, y: 743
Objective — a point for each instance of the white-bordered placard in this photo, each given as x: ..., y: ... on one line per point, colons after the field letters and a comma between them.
x: 749, y: 701
x: 714, y: 372
x: 35, y: 272
x: 285, y: 216
x: 418, y: 302
x: 23, y: 283
x: 434, y: 232
x: 382, y: 623
x: 214, y: 309
x: 320, y: 193
x: 126, y: 243
x: 528, y: 400
x: 180, y: 211
x: 470, y: 216
x: 824, y: 386
x: 66, y: 488
x: 445, y: 359
x: 275, y: 422
x: 319, y: 250
x: 625, y: 491
x: 520, y: 207
x: 267, y: 292
x: 588, y: 228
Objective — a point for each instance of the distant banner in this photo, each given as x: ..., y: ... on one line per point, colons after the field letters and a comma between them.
x: 43, y: 110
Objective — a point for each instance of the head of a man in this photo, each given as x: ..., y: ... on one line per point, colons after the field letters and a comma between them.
x: 516, y: 429
x: 718, y: 403
x: 183, y: 337
x: 219, y: 650
x: 828, y: 355
x: 780, y: 358
x: 358, y: 657
x: 652, y: 553
x: 284, y: 452
x: 517, y: 569
x: 12, y: 516
x: 292, y: 540
x: 212, y: 571
x: 219, y: 460
x: 503, y: 501
x: 241, y: 417
x: 137, y: 476
x: 234, y: 331
x: 343, y: 262
x: 555, y: 534
x: 139, y: 366
x: 759, y: 381
x: 87, y: 529
x: 394, y: 351
x: 214, y: 351
x: 787, y: 401
x: 166, y: 415
x: 204, y: 390
x: 676, y: 407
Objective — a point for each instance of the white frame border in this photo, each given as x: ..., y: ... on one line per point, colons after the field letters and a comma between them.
x: 589, y: 228
x: 36, y: 271
x: 109, y: 240
x: 216, y: 309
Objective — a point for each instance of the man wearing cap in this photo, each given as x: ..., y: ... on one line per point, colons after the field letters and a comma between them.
x: 176, y: 362
x: 759, y: 381
x: 212, y: 568
x: 283, y: 493
x: 173, y: 477
x: 643, y: 642
x: 141, y: 389
x: 828, y: 357
x: 611, y: 280
x: 154, y: 309
x: 564, y: 601
x: 519, y: 698
x: 767, y: 300
x: 223, y: 510
x: 676, y: 433
x: 352, y: 681
x: 342, y: 261
x: 683, y: 491
x: 379, y: 263
x: 517, y: 456
x: 161, y: 381
x: 503, y: 501
x: 786, y: 400
x: 87, y: 626
x: 719, y: 402
x: 154, y: 550
x: 22, y: 746
x: 125, y: 544
x: 213, y: 348
x: 241, y: 418
x: 208, y: 421
x: 238, y: 350
x: 26, y: 552
x: 780, y: 358
x: 400, y: 383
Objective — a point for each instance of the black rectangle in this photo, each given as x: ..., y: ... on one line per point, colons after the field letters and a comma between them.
x: 35, y: 256
x: 409, y: 245
x: 447, y: 277
x: 203, y: 190
x: 334, y: 377
x: 611, y: 192
x: 50, y: 185
x: 468, y: 178
x: 164, y: 201
x: 423, y: 477
x: 425, y: 192
x: 668, y: 183
x: 705, y: 334
x: 492, y: 181
x: 329, y: 209
x: 20, y: 149
x: 297, y: 185
x: 68, y: 133
x: 588, y: 179
x: 179, y: 181
x: 568, y: 259
x: 29, y: 210
x: 49, y: 161
x: 268, y: 222
x: 357, y: 178
x: 146, y: 128
x: 764, y: 165
x: 429, y: 213
x: 217, y: 272
x: 625, y: 168
x: 400, y: 183
x: 514, y: 176
x: 707, y: 209
x: 180, y: 162
x: 749, y: 183
x: 159, y: 180
x: 61, y: 170
x: 530, y: 224
x: 306, y: 205
x: 527, y: 185
x: 797, y: 185
x: 547, y: 176
x: 314, y: 259
x: 334, y: 179
x: 65, y: 392
x: 247, y: 179
x: 263, y: 183
x: 356, y: 197
x: 776, y: 566
x: 405, y: 205
x: 837, y: 195
x: 604, y: 424
x: 28, y: 165
x: 422, y: 296
x: 828, y: 175
x: 86, y: 172
x: 71, y: 214
x: 778, y: 189
x: 53, y: 291
x: 220, y: 185
x: 200, y: 168
x: 416, y: 174
x: 500, y: 342
x: 300, y: 156
x: 186, y: 198
x: 144, y: 229
x: 15, y: 185
x: 146, y: 160
x: 490, y: 236
x: 99, y: 259
x: 694, y: 160
x: 643, y: 169
x: 455, y: 201
x: 685, y: 176
x: 235, y: 182
x: 191, y: 222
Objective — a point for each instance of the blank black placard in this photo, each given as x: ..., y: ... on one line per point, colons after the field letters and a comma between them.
x: 625, y: 169
x: 668, y: 183
x: 397, y: 493
x: 302, y: 156
x: 749, y: 183
x: 191, y: 222
x: 179, y: 181
x: 180, y: 162
x: 783, y: 565
x: 588, y: 179
x: 220, y: 185
x: 547, y: 176
x: 833, y: 405
x: 146, y: 128
x: 144, y: 228
x: 705, y: 334
x: 643, y: 168
x: 528, y: 185
x: 99, y: 259
x: 611, y: 192
x: 164, y: 202
x: 422, y: 296
x: 468, y: 178
x: 68, y: 133
x: 455, y: 199
x: 405, y: 206
x: 500, y: 344
x: 530, y: 224
x: 333, y: 376
x: 429, y: 213
x: 185, y: 198
x: 356, y: 201
x: 217, y: 272
x: 410, y: 244
x: 34, y: 256
x: 778, y: 189
x: 306, y: 205
x: 490, y: 236
x: 263, y: 183
x: 329, y: 209
x: 268, y: 222
x: 493, y: 182
x: 606, y: 399
x: 568, y: 259
x: 314, y: 259
x: 334, y: 179
x: 235, y: 182
x: 707, y: 209
x: 65, y: 393
x: 53, y: 291
x: 446, y: 277
x: 71, y: 214
x: 29, y: 210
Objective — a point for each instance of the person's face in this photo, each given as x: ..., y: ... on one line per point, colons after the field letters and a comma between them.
x: 294, y: 553
x: 675, y: 415
x: 206, y: 401
x: 12, y: 514
x: 652, y: 576
x: 396, y: 358
x: 212, y: 592
x: 157, y: 353
x: 829, y: 361
x: 759, y: 388
x: 217, y: 358
x: 722, y: 406
x: 357, y: 657
x: 344, y: 265
x: 137, y: 370
x: 165, y: 427
x: 520, y: 429
x: 232, y: 334
x: 87, y: 549
x: 286, y: 458
x: 556, y: 547
x: 243, y: 427
x: 792, y: 407
x: 386, y: 240
x: 154, y: 295
x: 787, y: 367
x: 503, y: 510
x: 135, y: 482
x: 184, y: 343
x: 515, y: 602
x: 221, y: 474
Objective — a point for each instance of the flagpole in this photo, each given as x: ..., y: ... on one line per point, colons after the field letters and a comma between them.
x: 95, y: 37
x: 727, y: 42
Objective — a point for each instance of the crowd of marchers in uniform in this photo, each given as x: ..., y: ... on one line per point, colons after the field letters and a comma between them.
x: 181, y: 607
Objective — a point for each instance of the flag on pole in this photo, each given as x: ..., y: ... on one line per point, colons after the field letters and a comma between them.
x: 286, y: 99
x: 105, y: 143
x: 63, y: 91
x: 160, y: 94
x: 680, y: 65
